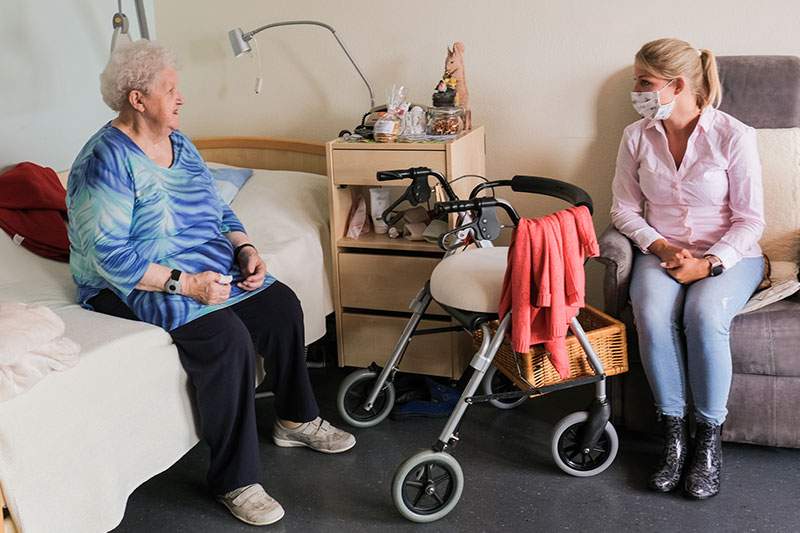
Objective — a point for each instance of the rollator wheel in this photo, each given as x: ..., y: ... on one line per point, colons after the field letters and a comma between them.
x: 571, y: 458
x: 494, y: 382
x: 353, y: 393
x: 427, y: 486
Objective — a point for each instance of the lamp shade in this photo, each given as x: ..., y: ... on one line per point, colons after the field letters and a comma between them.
x: 238, y: 43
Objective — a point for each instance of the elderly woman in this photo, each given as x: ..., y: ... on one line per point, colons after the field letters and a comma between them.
x: 152, y: 240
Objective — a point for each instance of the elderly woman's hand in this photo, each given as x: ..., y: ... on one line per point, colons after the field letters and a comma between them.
x: 206, y: 288
x: 253, y: 269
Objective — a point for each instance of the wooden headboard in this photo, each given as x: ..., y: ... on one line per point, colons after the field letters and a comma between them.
x: 257, y: 152
x: 264, y: 152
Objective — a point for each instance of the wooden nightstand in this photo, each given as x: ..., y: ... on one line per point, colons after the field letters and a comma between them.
x: 375, y: 278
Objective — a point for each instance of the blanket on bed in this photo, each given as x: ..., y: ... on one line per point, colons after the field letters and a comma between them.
x: 32, y: 345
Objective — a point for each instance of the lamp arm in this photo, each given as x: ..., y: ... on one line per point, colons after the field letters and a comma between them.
x: 249, y: 35
x: 144, y: 32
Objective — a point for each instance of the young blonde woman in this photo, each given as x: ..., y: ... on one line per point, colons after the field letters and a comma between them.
x: 687, y: 192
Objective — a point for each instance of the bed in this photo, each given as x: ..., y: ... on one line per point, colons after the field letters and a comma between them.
x: 284, y: 207
x: 75, y: 446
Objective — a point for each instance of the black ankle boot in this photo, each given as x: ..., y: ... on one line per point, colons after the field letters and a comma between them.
x: 673, y: 455
x: 703, y: 477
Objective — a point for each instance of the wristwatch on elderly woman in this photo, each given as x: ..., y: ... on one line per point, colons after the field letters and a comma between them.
x: 173, y: 284
x: 717, y: 267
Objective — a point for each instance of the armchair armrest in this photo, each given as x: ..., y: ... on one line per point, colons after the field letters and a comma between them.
x: 616, y: 253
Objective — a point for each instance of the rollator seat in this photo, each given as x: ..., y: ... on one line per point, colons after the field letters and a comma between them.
x: 471, y: 280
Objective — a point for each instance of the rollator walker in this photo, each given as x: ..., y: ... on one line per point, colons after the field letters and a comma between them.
x: 467, y: 284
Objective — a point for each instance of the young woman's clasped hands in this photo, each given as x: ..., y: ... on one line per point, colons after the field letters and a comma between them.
x: 680, y: 263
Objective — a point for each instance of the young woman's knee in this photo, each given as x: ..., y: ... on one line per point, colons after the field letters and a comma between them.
x: 651, y: 314
x: 706, y: 318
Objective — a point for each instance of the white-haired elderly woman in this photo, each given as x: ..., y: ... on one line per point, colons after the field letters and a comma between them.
x: 151, y: 240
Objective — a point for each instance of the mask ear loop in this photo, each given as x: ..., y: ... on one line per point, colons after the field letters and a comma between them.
x: 658, y: 95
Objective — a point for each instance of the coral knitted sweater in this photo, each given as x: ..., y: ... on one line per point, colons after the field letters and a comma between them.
x: 544, y: 285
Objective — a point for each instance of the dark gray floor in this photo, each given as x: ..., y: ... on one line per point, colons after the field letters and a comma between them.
x: 511, y: 483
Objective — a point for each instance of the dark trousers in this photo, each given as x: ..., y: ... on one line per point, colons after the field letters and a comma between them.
x: 218, y: 353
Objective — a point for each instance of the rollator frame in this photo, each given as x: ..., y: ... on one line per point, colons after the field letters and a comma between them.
x: 480, y: 229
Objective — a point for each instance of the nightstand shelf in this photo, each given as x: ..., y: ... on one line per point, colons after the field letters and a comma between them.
x: 375, y: 277
x: 382, y: 242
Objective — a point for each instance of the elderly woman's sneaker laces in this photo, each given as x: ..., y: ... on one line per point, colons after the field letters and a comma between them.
x: 252, y: 505
x: 318, y: 435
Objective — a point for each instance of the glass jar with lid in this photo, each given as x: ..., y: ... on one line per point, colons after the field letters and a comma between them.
x: 445, y: 120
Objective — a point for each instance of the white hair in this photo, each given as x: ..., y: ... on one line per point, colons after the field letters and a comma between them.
x: 133, y: 66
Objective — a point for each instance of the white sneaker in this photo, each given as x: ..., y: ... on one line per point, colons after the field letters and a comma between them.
x: 318, y: 435
x: 252, y: 505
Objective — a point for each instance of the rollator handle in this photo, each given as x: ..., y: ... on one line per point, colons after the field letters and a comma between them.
x: 550, y: 187
x: 485, y: 226
x: 460, y: 206
x: 474, y: 204
x: 401, y: 174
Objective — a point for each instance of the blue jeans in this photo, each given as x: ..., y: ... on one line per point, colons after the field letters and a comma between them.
x: 685, y: 330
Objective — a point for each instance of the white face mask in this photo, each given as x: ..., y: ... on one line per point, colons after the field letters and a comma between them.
x: 648, y: 104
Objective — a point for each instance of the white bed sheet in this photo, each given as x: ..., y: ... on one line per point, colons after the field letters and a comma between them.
x: 76, y: 445
x: 287, y: 216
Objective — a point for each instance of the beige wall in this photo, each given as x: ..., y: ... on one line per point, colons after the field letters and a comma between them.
x: 549, y: 80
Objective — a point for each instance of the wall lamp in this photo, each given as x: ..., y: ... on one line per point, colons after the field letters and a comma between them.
x: 240, y: 44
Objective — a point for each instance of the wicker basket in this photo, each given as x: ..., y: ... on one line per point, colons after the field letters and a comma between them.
x: 606, y: 334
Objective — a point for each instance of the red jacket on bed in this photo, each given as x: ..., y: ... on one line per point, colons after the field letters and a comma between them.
x: 33, y: 210
x: 544, y: 285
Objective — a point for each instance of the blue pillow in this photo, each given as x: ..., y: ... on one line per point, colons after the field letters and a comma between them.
x: 230, y: 180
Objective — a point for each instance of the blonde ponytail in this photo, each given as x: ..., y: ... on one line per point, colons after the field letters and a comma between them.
x: 672, y: 58
x: 713, y: 87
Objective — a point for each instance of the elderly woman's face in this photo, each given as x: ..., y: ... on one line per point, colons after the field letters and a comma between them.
x: 162, y: 103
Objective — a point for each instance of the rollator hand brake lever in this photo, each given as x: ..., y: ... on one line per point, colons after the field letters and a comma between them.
x: 401, y: 174
x: 481, y: 222
x: 417, y: 193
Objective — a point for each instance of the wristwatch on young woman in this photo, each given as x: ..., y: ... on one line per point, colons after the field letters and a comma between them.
x: 716, y: 265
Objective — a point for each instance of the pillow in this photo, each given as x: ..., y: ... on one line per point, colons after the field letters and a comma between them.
x: 779, y: 150
x: 229, y: 180
x: 784, y: 279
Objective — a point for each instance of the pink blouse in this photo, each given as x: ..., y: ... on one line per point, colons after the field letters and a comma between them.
x: 712, y: 204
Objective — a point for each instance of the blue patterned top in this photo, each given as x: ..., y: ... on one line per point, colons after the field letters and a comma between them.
x: 126, y: 212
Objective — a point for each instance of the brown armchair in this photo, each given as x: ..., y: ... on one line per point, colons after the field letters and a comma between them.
x: 764, y: 404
